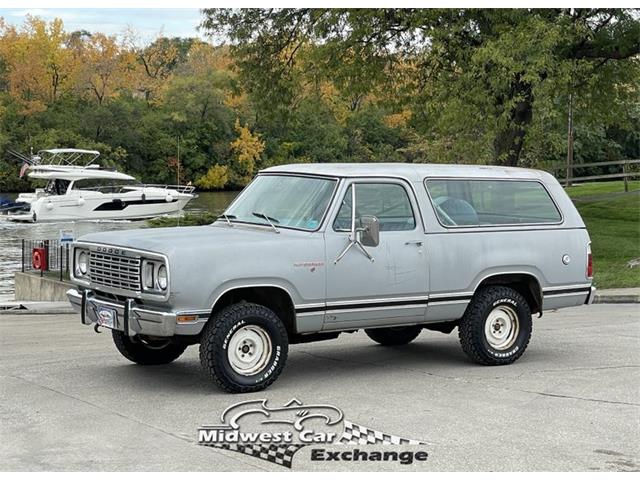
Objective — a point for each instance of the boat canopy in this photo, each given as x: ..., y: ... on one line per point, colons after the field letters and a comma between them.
x: 65, y: 156
x: 71, y: 164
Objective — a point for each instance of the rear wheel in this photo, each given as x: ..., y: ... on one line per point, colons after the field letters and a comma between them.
x: 148, y: 350
x: 496, y: 328
x: 244, y: 348
x: 393, y: 335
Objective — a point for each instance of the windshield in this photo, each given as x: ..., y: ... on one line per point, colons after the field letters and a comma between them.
x: 283, y: 201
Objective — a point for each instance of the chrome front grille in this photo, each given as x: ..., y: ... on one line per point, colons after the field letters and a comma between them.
x: 115, y: 271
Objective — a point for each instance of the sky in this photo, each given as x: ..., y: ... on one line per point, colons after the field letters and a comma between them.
x: 147, y: 22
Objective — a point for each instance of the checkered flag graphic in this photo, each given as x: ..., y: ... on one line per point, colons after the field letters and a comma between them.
x: 280, y: 454
x: 355, y: 434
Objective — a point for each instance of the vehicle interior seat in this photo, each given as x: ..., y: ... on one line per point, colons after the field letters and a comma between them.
x: 459, y: 211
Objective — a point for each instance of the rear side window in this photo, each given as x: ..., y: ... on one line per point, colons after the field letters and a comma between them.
x: 459, y: 202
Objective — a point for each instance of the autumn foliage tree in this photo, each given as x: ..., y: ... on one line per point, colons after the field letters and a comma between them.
x: 156, y: 63
x: 247, y: 149
x: 216, y: 178
x: 39, y: 68
x: 106, y: 68
x: 325, y: 85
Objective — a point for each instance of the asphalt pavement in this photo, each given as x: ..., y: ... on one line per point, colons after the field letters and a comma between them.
x: 69, y: 401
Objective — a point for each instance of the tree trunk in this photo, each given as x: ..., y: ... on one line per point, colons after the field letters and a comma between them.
x: 507, y: 145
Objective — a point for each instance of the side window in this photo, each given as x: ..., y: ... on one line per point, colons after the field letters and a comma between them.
x: 491, y: 202
x: 388, y: 202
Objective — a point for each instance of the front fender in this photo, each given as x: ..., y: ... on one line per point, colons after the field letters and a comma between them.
x: 238, y: 283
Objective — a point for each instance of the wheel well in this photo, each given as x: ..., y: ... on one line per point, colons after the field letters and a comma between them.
x: 274, y: 298
x: 525, y: 284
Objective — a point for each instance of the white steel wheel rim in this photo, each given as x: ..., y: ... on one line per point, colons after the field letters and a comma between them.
x: 502, y: 327
x: 249, y: 350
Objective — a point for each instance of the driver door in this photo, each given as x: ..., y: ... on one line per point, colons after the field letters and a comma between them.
x: 391, y: 289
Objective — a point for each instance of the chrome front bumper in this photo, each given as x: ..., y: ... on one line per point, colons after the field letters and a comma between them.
x: 131, y: 319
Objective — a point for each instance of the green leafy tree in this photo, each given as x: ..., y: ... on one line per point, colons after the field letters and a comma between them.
x: 473, y: 77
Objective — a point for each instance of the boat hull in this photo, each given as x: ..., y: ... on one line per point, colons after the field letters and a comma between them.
x: 99, y: 206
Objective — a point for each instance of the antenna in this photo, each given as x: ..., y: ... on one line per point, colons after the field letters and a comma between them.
x: 23, y: 158
x: 178, y: 182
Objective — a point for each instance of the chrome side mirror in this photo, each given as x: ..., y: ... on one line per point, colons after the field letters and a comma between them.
x: 370, y: 231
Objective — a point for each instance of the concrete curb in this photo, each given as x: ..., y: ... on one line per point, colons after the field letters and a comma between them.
x: 38, y: 311
x: 34, y: 308
x: 617, y: 295
x: 616, y: 299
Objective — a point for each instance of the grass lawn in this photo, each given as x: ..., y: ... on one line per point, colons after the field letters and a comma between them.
x: 613, y: 221
x: 601, y: 188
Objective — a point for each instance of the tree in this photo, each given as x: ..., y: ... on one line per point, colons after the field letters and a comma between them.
x: 199, y: 90
x: 155, y: 65
x: 216, y: 178
x: 476, y: 77
x: 39, y: 68
x: 247, y: 149
x: 106, y: 67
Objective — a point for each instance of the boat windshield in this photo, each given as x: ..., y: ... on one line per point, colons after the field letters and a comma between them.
x: 57, y: 187
x: 287, y: 201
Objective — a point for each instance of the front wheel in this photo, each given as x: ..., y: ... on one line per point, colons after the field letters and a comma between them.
x: 496, y: 328
x: 145, y: 350
x: 244, y: 348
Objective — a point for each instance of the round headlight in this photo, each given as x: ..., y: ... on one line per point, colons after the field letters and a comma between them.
x: 82, y: 263
x: 162, y: 277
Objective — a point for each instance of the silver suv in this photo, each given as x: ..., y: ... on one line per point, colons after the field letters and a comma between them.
x: 307, y: 252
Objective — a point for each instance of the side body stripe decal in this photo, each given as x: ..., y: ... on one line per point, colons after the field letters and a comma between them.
x: 418, y: 302
x: 374, y: 304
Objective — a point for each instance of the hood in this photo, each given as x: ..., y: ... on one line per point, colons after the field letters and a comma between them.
x: 173, y: 239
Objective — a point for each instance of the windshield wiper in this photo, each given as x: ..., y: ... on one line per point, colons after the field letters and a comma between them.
x: 228, y: 218
x: 269, y: 219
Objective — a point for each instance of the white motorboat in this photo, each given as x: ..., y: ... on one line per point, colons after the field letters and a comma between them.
x: 79, y: 189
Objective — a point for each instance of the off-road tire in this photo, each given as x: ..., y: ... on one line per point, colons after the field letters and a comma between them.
x: 216, y: 337
x: 136, y: 350
x: 393, y: 335
x: 471, y: 330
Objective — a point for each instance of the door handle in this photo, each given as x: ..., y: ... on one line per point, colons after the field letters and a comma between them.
x: 419, y: 243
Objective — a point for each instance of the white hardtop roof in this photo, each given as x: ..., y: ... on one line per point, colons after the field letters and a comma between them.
x: 73, y: 172
x: 414, y: 172
x: 56, y: 151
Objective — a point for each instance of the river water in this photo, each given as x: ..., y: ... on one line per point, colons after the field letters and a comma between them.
x: 11, y: 234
